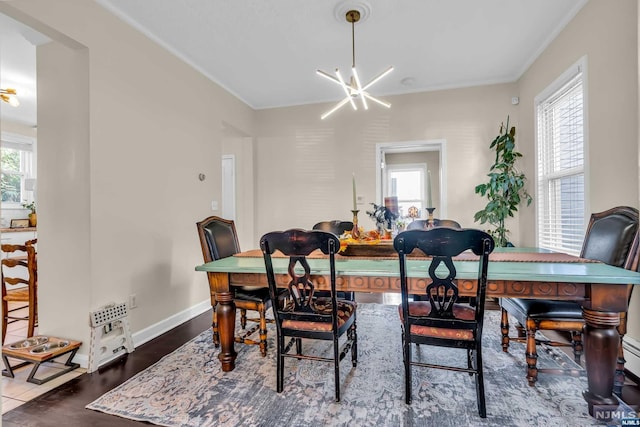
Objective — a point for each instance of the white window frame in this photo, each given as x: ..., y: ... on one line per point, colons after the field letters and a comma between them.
x: 403, y: 167
x: 27, y: 165
x: 580, y: 67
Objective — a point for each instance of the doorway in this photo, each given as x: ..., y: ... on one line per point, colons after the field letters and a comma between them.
x: 415, y: 172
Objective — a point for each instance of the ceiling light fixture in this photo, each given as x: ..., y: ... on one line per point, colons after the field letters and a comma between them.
x: 9, y: 95
x: 354, y: 89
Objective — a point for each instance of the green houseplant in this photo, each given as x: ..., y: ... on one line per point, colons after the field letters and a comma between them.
x: 505, y: 188
x: 33, y: 219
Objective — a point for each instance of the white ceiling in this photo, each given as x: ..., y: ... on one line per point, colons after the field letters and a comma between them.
x: 267, y: 52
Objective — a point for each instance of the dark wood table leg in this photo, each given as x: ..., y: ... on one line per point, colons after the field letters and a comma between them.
x: 226, y: 316
x: 226, y: 327
x: 601, y: 340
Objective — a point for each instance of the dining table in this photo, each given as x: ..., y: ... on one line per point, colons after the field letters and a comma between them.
x: 512, y: 272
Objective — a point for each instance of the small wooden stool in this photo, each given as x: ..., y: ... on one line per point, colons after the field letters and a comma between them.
x: 37, y: 350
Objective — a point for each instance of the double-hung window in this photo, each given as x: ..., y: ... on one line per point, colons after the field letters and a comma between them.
x: 560, y: 144
x: 16, y: 169
x: 406, y: 181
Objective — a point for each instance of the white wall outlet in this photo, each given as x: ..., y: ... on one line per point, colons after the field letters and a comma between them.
x: 214, y: 205
x: 133, y: 301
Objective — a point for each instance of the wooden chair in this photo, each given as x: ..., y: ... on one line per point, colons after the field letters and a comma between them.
x: 442, y: 320
x: 20, y: 267
x: 302, y: 315
x: 336, y: 226
x: 421, y: 224
x: 609, y: 238
x: 218, y: 239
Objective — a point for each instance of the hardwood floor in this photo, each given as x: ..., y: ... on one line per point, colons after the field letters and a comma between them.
x: 65, y: 405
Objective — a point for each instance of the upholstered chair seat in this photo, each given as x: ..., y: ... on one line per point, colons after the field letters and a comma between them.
x: 442, y: 318
x: 299, y: 313
x: 608, y: 239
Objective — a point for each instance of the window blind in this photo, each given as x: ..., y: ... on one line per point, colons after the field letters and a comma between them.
x: 560, y: 143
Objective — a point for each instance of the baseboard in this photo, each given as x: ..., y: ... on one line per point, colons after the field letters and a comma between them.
x: 155, y: 330
x: 631, y: 348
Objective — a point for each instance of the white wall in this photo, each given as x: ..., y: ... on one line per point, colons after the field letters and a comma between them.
x: 607, y: 33
x: 134, y: 155
x: 118, y: 173
x: 305, y: 164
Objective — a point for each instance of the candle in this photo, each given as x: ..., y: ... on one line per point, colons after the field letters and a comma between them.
x: 355, y: 208
x: 429, y: 202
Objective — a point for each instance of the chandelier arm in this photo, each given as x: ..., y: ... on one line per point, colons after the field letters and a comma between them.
x: 379, y: 101
x: 359, y: 88
x: 346, y: 88
x: 329, y: 77
x: 378, y: 77
x: 334, y: 109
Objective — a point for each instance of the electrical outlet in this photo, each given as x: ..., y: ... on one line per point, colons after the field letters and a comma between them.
x: 133, y: 301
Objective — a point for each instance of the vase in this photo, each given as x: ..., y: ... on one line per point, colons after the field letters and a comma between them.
x: 33, y: 219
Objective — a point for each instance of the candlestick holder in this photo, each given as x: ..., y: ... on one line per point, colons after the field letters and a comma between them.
x: 355, y: 232
x: 430, y: 219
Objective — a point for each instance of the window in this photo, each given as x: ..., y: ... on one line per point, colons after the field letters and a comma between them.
x: 560, y: 157
x: 16, y: 166
x: 407, y: 183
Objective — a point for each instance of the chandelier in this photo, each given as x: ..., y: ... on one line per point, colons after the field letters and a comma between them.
x: 354, y: 90
x: 9, y: 95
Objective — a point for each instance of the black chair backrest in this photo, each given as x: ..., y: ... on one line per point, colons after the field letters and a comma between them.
x: 443, y: 244
x: 336, y: 226
x: 610, y: 234
x: 421, y: 224
x: 297, y: 244
x: 218, y: 238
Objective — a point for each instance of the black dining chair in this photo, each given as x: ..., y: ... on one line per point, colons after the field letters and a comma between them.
x: 421, y: 224
x: 442, y: 319
x: 335, y: 226
x: 300, y: 314
x: 609, y: 238
x: 218, y: 239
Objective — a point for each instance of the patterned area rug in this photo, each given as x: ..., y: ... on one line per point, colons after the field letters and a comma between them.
x: 187, y: 387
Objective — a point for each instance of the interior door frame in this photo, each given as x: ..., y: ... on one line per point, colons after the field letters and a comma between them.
x: 439, y: 145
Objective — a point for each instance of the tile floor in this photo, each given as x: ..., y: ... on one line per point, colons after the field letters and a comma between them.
x: 16, y: 391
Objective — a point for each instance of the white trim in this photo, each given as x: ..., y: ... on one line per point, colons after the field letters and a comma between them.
x: 157, y: 329
x: 15, y: 138
x: 550, y: 38
x: 581, y: 65
x: 439, y: 145
x: 631, y: 349
x: 154, y: 331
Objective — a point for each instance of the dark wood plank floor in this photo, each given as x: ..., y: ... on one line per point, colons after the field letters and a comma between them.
x: 65, y: 405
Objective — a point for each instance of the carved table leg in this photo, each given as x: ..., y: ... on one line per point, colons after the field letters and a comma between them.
x: 226, y: 318
x: 601, y: 340
x: 226, y: 326
x: 620, y: 375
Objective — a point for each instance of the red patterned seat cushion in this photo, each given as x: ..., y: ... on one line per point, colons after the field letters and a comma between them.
x: 423, y: 308
x: 346, y: 309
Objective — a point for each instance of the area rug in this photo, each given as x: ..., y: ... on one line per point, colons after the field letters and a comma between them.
x: 188, y: 388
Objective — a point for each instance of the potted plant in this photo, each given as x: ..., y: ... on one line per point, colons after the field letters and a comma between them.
x: 33, y: 218
x: 505, y: 188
